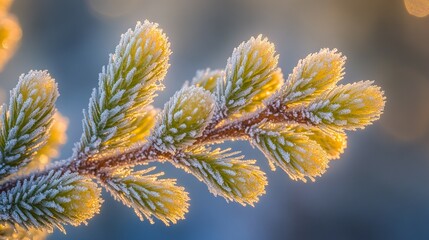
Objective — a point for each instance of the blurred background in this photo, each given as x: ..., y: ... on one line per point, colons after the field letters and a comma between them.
x: 377, y: 190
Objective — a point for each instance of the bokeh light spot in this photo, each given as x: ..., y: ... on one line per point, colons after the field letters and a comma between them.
x: 418, y: 8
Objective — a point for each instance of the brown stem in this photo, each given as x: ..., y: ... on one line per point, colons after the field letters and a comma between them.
x: 239, y: 129
x: 233, y: 130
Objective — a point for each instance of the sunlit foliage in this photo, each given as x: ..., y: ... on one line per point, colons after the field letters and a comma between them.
x: 299, y: 124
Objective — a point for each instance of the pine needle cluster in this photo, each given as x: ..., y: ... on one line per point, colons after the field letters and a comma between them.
x: 299, y: 123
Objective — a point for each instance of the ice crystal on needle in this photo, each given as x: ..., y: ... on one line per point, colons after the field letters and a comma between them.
x: 27, y: 119
x: 292, y: 151
x: 183, y: 119
x: 149, y: 195
x: 128, y: 84
x: 50, y: 200
x: 349, y: 106
x: 251, y: 66
x: 313, y: 75
x: 333, y: 142
x: 225, y: 173
x: 300, y: 125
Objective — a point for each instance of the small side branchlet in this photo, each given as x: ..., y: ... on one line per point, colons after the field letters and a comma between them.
x: 149, y: 195
x: 299, y: 124
x: 128, y: 84
x: 27, y: 120
x: 313, y: 75
x: 252, y: 65
x: 292, y: 151
x: 225, y: 173
x: 50, y: 200
x: 183, y: 119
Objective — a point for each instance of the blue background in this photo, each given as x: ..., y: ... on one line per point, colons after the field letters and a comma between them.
x: 377, y: 190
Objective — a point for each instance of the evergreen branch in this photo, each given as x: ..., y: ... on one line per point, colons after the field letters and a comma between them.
x: 241, y: 129
x: 298, y: 125
x: 250, y: 67
x: 349, y: 106
x: 25, y: 123
x: 225, y: 173
x: 148, y: 195
x: 183, y: 119
x: 128, y: 84
x: 292, y: 151
x: 312, y: 76
x: 56, y: 138
x: 53, y: 199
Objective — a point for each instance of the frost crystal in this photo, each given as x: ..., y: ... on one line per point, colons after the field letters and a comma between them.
x: 148, y: 195
x: 349, y: 106
x: 252, y: 65
x: 313, y: 75
x: 51, y: 200
x: 225, y: 174
x: 183, y: 119
x: 25, y: 123
x: 299, y: 125
x: 332, y: 141
x: 293, y: 151
x: 128, y: 84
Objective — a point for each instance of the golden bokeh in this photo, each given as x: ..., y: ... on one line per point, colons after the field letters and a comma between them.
x: 4, y: 6
x: 418, y: 8
x: 10, y: 33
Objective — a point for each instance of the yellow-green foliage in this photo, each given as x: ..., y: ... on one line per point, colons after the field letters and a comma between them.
x: 293, y: 151
x: 149, y: 195
x: 267, y: 90
x: 333, y: 142
x: 51, y: 200
x: 349, y: 106
x: 57, y: 137
x: 226, y: 173
x: 25, y: 123
x: 208, y: 79
x: 299, y: 124
x: 252, y: 65
x: 313, y: 75
x: 126, y: 86
x: 183, y: 119
x: 144, y: 122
